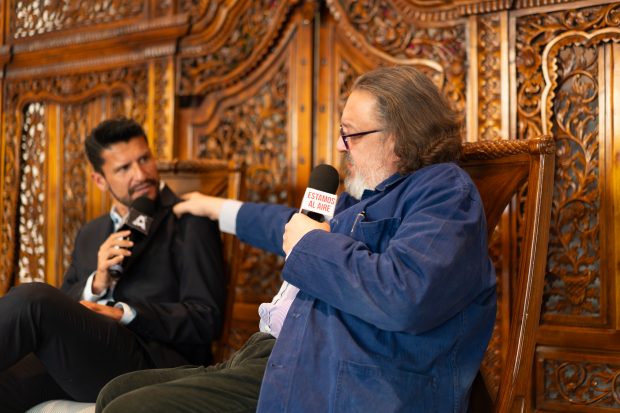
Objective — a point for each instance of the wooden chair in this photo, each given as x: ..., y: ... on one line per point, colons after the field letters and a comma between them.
x: 217, y: 178
x: 500, y: 169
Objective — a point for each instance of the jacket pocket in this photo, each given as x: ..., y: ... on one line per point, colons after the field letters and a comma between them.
x: 377, y: 234
x: 367, y: 388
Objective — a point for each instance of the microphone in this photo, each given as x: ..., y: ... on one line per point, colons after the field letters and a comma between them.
x: 319, y: 200
x: 139, y: 222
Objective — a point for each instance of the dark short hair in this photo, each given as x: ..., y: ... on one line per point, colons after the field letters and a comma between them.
x: 108, y: 133
x: 411, y: 108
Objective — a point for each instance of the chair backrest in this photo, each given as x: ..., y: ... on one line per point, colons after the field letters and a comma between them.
x: 217, y: 178
x: 500, y: 169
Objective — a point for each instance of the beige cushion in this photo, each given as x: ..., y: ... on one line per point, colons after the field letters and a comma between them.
x: 62, y: 406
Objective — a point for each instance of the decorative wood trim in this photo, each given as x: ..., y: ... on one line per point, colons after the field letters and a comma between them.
x: 577, y: 381
x: 216, y: 59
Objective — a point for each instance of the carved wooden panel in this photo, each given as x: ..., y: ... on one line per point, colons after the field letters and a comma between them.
x: 32, y: 194
x: 489, y: 114
x: 575, y: 382
x: 575, y: 278
x: 212, y: 58
x: 380, y: 30
x: 560, y: 88
x: 160, y: 128
x: 75, y: 182
x: 34, y: 17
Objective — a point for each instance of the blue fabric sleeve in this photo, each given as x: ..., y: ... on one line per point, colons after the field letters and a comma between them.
x: 262, y: 225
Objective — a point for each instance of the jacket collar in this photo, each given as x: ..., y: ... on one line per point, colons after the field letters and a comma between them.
x: 390, y: 182
x: 165, y: 200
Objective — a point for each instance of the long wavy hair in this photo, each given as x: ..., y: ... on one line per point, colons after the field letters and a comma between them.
x: 412, y: 109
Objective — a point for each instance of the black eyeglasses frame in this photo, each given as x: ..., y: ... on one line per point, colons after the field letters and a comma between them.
x: 345, y: 138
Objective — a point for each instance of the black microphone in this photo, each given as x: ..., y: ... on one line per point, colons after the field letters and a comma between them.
x: 319, y: 201
x: 138, y: 221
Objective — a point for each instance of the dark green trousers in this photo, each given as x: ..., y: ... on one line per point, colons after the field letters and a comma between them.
x: 231, y: 386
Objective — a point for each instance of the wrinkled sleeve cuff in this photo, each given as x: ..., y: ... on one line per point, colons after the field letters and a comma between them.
x: 88, y: 295
x: 228, y: 216
x: 128, y: 312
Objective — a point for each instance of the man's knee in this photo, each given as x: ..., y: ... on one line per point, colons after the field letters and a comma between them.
x: 33, y: 291
x: 113, y: 400
x: 33, y: 301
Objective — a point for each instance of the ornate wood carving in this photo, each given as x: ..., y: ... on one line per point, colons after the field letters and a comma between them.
x: 379, y: 29
x: 10, y: 189
x: 256, y: 132
x: 430, y: 10
x: 162, y: 96
x: 33, y: 17
x: 489, y: 78
x: 75, y: 178
x: 32, y: 199
x: 215, y: 59
x: 533, y: 34
x: 558, y: 86
x: 574, y: 268
x: 577, y: 384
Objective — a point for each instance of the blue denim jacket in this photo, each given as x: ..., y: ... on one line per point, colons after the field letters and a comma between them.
x: 397, y: 303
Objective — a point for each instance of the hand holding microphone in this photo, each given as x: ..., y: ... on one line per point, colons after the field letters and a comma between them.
x: 318, y: 205
x: 117, y: 246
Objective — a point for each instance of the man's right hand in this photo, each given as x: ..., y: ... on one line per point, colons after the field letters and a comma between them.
x: 111, y: 252
x: 198, y: 204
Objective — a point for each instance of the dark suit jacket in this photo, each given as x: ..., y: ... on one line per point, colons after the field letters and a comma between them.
x: 174, y: 280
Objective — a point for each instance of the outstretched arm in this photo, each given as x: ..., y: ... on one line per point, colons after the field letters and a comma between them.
x: 199, y: 204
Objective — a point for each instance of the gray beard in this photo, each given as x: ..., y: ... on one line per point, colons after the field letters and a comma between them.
x: 355, y: 186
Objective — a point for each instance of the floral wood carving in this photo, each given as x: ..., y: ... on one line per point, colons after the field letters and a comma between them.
x: 238, y: 46
x: 534, y: 33
x: 557, y: 90
x: 582, y: 383
x: 441, y: 11
x: 255, y: 132
x: 75, y: 177
x: 378, y: 29
x: 161, y: 138
x: 489, y: 78
x: 31, y: 212
x: 35, y: 17
x: 574, y: 270
x: 10, y: 190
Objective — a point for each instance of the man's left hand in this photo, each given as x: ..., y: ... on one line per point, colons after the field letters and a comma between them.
x: 110, y: 312
x: 298, y: 226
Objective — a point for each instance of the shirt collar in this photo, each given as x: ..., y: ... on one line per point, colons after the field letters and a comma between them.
x: 117, y: 219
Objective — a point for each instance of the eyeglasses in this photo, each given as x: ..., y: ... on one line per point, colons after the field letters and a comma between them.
x: 345, y: 138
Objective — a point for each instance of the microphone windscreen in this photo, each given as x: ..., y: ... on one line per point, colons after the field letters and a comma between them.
x: 144, y: 205
x: 324, y: 178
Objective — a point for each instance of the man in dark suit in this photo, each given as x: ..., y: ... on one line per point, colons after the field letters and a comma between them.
x: 163, y: 311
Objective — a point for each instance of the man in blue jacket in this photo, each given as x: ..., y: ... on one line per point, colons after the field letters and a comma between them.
x: 388, y: 307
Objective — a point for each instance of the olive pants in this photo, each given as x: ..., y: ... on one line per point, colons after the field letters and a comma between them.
x: 231, y: 386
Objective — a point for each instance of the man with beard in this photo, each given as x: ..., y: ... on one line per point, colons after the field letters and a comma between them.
x: 388, y: 307
x: 163, y: 311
